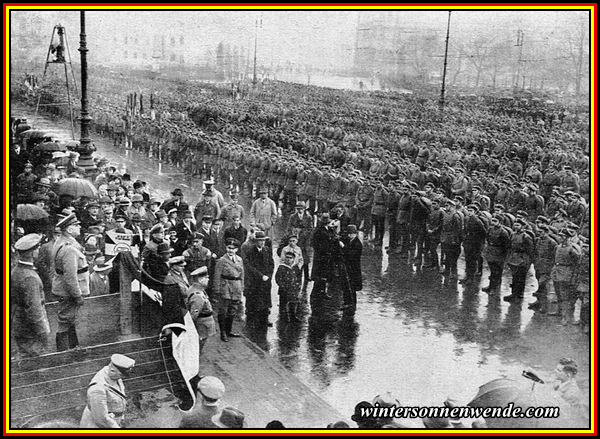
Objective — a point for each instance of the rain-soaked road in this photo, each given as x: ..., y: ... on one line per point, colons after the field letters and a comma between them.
x: 414, y: 334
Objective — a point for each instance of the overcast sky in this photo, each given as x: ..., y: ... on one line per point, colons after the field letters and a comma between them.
x: 311, y: 36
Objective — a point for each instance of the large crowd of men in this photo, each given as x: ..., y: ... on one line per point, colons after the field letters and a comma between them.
x: 488, y: 180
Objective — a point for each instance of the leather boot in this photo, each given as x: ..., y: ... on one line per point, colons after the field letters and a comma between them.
x: 223, y: 328
x: 73, y: 340
x: 62, y: 341
x: 229, y: 326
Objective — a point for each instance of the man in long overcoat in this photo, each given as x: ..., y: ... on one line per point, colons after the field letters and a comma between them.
x: 258, y: 267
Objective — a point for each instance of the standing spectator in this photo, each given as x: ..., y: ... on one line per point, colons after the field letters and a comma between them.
x: 258, y: 267
x: 232, y: 210
x: 197, y: 255
x: 186, y: 229
x: 29, y: 321
x: 206, y: 207
x: 71, y: 282
x: 323, y: 241
x: 228, y: 288
x: 352, y: 253
x: 25, y: 184
x: 286, y: 278
x: 45, y: 263
x: 235, y: 230
x: 99, y: 284
x: 264, y: 211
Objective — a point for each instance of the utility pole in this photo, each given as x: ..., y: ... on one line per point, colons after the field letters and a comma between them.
x: 443, y: 93
x: 255, y: 44
x: 579, y: 69
x: 520, y: 35
x: 86, y: 148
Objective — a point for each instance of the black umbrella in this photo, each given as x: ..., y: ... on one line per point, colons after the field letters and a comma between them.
x: 51, y: 147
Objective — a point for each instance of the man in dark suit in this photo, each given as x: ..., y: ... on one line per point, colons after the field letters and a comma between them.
x: 352, y: 252
x: 258, y: 268
x: 176, y: 202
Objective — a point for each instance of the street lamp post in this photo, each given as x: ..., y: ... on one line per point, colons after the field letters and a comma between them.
x: 86, y: 147
x: 443, y: 92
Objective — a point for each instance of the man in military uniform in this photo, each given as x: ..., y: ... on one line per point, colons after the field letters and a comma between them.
x: 564, y: 273
x: 29, y: 321
x: 228, y: 287
x: 363, y: 205
x: 209, y: 390
x: 199, y: 306
x: 543, y: 262
x: 519, y: 259
x: 232, y: 209
x: 451, y: 238
x: 71, y: 281
x: 474, y: 240
x: 25, y: 184
x: 106, y: 399
x: 496, y: 251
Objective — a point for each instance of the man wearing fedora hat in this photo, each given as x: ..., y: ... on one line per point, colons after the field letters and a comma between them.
x: 43, y: 187
x: 99, y: 284
x: 29, y: 323
x: 176, y: 202
x: 258, y: 270
x: 71, y: 281
x: 106, y: 398
x: 209, y: 391
x: 156, y: 263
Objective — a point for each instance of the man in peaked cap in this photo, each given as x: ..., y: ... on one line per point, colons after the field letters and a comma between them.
x: 71, y: 281
x: 199, y: 305
x: 106, y: 398
x: 29, y: 324
x: 228, y: 287
x: 209, y: 391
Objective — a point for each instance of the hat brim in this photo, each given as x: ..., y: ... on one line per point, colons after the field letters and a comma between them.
x: 102, y: 268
